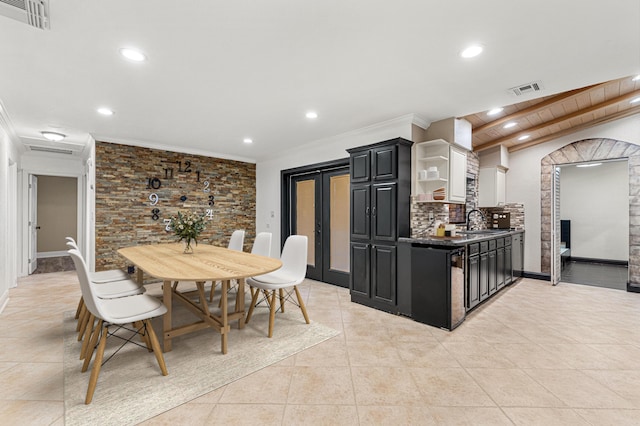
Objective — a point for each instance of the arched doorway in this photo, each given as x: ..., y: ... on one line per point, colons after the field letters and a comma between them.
x: 584, y: 151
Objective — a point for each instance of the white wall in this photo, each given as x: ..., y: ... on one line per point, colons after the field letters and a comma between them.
x: 8, y: 160
x: 268, y: 172
x: 596, y: 201
x: 523, y: 178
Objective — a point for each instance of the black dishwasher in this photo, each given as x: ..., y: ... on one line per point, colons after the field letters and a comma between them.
x: 437, y: 285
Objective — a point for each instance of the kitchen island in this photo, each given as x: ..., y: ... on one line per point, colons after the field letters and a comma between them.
x: 442, y: 278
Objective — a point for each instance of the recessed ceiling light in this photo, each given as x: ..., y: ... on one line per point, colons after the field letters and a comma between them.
x: 634, y: 100
x: 588, y: 165
x: 53, y: 136
x: 105, y: 111
x: 312, y: 114
x: 523, y: 137
x: 471, y: 51
x: 247, y: 140
x: 495, y: 111
x: 509, y: 125
x: 133, y: 54
x: 636, y: 78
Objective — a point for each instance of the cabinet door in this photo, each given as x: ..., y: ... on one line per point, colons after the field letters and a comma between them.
x: 360, y: 166
x: 383, y: 268
x: 457, y: 175
x: 473, y: 289
x: 493, y: 281
x: 383, y: 212
x: 360, y: 212
x: 484, y: 276
x: 360, y: 280
x: 500, y: 268
x: 385, y: 163
x: 508, y: 265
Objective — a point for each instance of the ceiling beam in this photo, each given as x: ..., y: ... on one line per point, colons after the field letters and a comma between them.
x: 576, y: 114
x: 537, y: 107
x: 603, y: 120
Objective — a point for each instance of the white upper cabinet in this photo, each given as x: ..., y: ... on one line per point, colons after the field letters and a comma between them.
x: 440, y: 172
x: 492, y: 187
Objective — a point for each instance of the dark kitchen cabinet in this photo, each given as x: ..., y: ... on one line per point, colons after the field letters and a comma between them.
x: 500, y: 263
x: 508, y: 263
x: 473, y: 269
x: 380, y: 201
x: 493, y: 276
x: 489, y: 268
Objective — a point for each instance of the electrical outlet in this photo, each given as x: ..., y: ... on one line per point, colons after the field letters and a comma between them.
x: 430, y: 215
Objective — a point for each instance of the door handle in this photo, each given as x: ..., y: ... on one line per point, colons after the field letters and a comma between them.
x: 367, y: 211
x: 37, y: 227
x: 374, y: 211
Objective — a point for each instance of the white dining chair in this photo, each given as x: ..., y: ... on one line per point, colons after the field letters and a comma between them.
x: 236, y: 242
x: 285, y: 279
x: 261, y: 246
x: 111, y: 284
x: 137, y: 310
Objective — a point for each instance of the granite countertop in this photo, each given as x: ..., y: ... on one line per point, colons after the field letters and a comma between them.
x: 460, y: 239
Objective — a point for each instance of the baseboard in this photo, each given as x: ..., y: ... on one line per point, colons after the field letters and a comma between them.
x: 536, y: 276
x: 47, y: 254
x: 604, y: 261
x: 631, y: 288
x: 4, y: 300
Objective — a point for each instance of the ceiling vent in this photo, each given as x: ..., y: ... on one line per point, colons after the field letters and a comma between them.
x: 525, y: 89
x: 31, y: 12
x: 50, y: 149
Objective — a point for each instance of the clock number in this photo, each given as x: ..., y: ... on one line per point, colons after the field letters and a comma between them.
x: 168, y: 173
x: 154, y: 183
x: 206, y: 186
x: 198, y: 176
x: 187, y: 166
x: 209, y: 214
x: 167, y: 222
x: 154, y: 214
x: 211, y: 201
x: 153, y: 198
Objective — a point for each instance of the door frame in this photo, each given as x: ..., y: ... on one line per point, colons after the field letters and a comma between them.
x: 81, y: 217
x: 286, y: 177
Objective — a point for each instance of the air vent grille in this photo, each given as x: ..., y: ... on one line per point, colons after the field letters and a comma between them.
x: 50, y: 149
x: 32, y: 12
x: 17, y: 3
x: 523, y: 89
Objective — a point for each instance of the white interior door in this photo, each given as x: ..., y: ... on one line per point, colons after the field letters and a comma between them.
x: 33, y: 223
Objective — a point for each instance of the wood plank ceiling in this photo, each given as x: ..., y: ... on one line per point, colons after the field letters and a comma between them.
x: 550, y: 117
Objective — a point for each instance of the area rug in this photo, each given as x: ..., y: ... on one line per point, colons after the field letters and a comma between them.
x: 131, y: 388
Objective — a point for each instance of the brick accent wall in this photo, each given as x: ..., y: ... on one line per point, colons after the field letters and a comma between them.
x: 592, y: 150
x: 124, y: 214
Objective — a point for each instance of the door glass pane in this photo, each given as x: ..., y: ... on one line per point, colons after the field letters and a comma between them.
x: 339, y: 207
x: 306, y: 214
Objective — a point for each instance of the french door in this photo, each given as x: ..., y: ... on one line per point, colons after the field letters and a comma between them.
x: 319, y: 208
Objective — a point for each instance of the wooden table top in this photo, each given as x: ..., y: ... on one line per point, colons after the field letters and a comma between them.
x: 207, y: 263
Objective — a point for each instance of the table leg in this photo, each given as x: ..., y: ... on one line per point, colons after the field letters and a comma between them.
x: 225, y: 318
x: 240, y: 302
x: 167, y: 294
x: 140, y: 276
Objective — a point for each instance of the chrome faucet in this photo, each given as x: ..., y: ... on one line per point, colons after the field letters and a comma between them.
x: 469, y: 215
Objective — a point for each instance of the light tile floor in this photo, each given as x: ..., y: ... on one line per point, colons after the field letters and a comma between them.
x: 533, y: 355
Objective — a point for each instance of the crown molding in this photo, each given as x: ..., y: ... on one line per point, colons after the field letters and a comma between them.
x: 7, y: 125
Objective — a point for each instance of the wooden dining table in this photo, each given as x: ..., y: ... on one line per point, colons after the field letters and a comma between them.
x: 206, y: 263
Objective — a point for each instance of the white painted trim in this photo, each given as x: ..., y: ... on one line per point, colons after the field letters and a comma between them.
x: 7, y: 125
x: 172, y: 148
x: 4, y: 300
x: 48, y: 254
